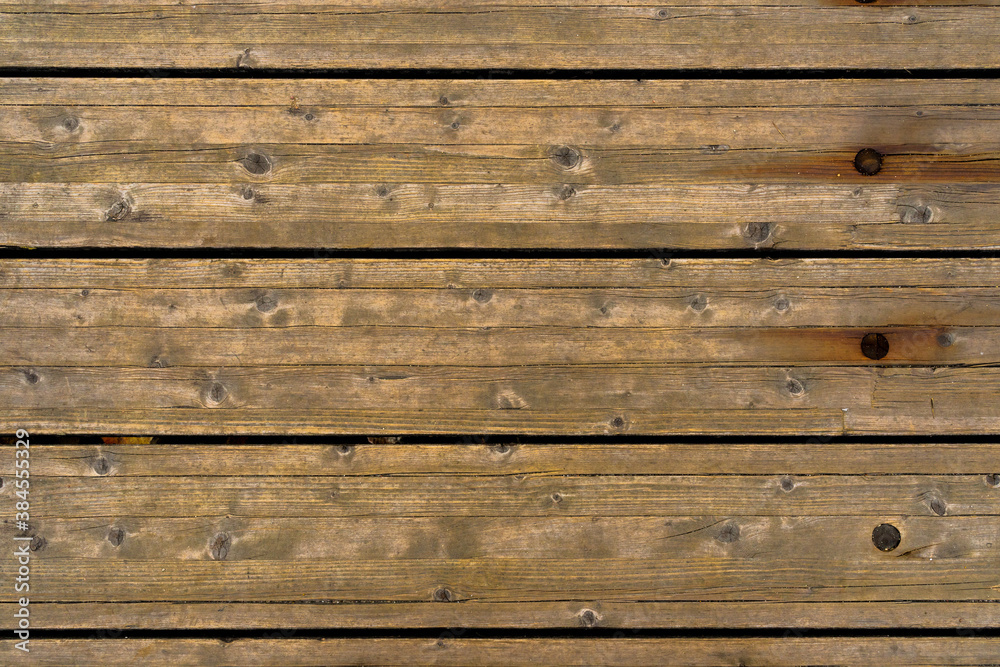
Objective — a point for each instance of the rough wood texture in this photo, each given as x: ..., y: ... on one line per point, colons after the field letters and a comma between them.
x: 559, y: 353
x: 510, y: 535
x: 725, y: 34
x: 448, y: 650
x: 328, y: 165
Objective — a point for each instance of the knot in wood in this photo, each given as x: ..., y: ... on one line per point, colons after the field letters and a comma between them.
x: 255, y: 163
x: 120, y: 210
x: 116, y: 536
x: 565, y: 157
x: 442, y: 594
x: 729, y: 533
x: 219, y: 546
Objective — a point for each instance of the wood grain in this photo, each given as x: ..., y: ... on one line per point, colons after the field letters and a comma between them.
x: 557, y: 357
x: 452, y: 650
x: 326, y: 165
x: 109, y: 620
x: 525, y: 34
x: 469, y: 534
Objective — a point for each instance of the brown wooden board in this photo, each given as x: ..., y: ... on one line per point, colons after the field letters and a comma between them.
x: 448, y: 650
x: 510, y: 535
x: 559, y: 353
x: 328, y: 165
x: 311, y: 35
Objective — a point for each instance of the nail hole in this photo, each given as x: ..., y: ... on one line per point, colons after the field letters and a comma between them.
x: 885, y: 537
x: 868, y: 161
x: 874, y: 346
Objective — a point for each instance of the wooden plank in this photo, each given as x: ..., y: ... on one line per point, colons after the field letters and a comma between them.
x: 449, y: 650
x: 515, y: 495
x: 656, y: 271
x: 483, y: 456
x: 766, y: 358
x: 534, y: 530
x: 107, y: 620
x: 498, y: 164
x: 469, y: 34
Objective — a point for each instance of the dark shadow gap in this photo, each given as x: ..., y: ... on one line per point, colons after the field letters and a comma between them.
x: 662, y: 253
x: 41, y: 438
x: 445, y: 634
x: 501, y: 74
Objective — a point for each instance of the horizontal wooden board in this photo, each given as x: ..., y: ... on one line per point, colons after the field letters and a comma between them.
x: 516, y: 495
x: 327, y: 165
x: 710, y: 355
x: 450, y: 649
x: 495, y: 527
x: 111, y: 620
x: 523, y: 34
x: 482, y: 455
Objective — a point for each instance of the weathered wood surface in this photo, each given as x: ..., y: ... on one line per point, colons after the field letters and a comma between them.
x: 511, y: 535
x: 326, y: 165
x: 448, y: 650
x: 310, y: 35
x: 689, y: 349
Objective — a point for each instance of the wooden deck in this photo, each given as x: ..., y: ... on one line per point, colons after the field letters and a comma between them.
x: 461, y: 333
